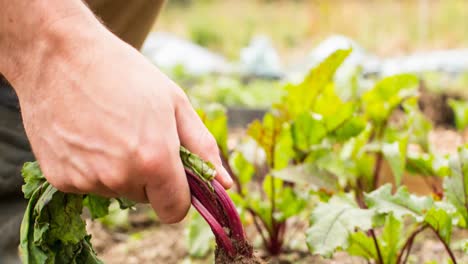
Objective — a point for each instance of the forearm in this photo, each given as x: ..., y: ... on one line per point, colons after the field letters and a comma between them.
x: 34, y: 31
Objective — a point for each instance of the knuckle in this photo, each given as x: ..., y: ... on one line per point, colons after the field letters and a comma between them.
x: 181, y: 98
x: 61, y: 184
x: 150, y: 159
x: 118, y: 183
x: 82, y: 184
x: 210, y: 146
x: 115, y: 179
x: 175, y: 212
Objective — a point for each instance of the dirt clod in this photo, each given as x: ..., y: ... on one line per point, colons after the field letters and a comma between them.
x: 221, y: 257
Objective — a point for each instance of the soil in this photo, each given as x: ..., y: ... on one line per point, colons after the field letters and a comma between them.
x: 221, y: 257
x: 435, y: 106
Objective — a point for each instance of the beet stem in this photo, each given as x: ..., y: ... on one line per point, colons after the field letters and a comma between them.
x: 221, y: 237
x: 231, y: 212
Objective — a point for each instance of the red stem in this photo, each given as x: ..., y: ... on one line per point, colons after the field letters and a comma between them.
x: 447, y: 247
x: 231, y: 211
x: 221, y: 237
x: 408, y: 244
x: 207, y: 197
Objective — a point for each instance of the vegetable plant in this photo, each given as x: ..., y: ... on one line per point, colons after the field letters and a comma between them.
x: 348, y: 143
x: 53, y: 231
x: 341, y: 224
x: 266, y: 182
x: 338, y: 148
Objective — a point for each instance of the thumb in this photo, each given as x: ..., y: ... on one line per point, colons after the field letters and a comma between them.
x: 194, y: 136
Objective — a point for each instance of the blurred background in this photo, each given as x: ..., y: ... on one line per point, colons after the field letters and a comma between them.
x: 235, y: 52
x: 383, y: 27
x: 242, y: 53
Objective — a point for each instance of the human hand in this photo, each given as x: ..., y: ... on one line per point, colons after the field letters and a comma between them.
x: 101, y: 119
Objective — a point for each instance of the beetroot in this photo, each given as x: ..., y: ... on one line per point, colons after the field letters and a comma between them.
x: 216, y: 207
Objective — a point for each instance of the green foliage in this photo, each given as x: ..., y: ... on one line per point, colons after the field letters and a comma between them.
x: 395, y: 154
x: 98, y: 206
x: 332, y: 222
x: 312, y: 138
x: 387, y: 94
x: 400, y: 204
x: 460, y: 109
x: 230, y: 91
x: 441, y: 221
x: 301, y: 97
x: 456, y: 186
x: 335, y: 227
x: 52, y: 230
x: 215, y: 119
x: 391, y: 239
x: 389, y: 242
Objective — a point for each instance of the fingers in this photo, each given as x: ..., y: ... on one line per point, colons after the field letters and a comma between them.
x: 76, y: 181
x: 195, y: 137
x: 166, y: 185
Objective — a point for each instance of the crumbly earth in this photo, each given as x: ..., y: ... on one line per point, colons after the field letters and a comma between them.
x: 223, y: 258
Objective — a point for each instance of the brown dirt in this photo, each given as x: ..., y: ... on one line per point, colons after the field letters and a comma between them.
x: 435, y: 106
x: 221, y: 257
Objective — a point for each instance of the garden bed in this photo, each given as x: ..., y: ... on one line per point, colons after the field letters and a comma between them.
x: 145, y: 240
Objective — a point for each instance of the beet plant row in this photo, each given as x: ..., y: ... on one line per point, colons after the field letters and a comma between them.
x: 320, y: 154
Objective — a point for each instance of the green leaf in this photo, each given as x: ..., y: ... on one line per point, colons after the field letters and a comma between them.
x: 427, y: 164
x: 242, y: 168
x: 391, y: 239
x: 350, y: 128
x: 307, y: 130
x: 199, y: 237
x: 464, y: 246
x: 52, y: 230
x: 116, y: 218
x: 387, y: 94
x: 460, y: 109
x: 269, y: 184
x: 362, y: 245
x: 418, y: 124
x: 334, y: 111
x: 98, y: 206
x: 333, y: 222
x: 301, y: 97
x: 262, y: 208
x: 420, y: 163
x: 288, y: 204
x: 284, y: 148
x: 401, y: 204
x: 310, y: 174
x: 204, y: 170
x: 395, y: 154
x: 33, y: 178
x: 215, y: 119
x: 125, y: 203
x: 441, y: 222
x: 266, y: 134
x: 456, y: 185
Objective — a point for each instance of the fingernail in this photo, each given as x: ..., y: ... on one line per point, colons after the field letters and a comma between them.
x: 226, y: 176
